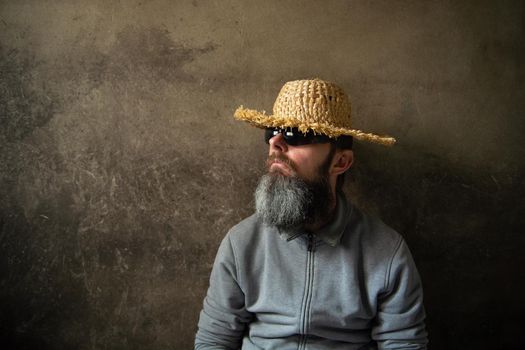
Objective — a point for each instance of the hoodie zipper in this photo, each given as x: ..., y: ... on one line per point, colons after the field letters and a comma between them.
x: 307, y: 296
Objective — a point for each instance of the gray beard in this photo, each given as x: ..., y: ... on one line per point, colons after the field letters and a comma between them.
x: 290, y: 203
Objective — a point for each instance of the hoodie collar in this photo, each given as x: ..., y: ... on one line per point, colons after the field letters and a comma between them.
x: 331, y: 233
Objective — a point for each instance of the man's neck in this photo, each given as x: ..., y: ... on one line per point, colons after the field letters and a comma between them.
x: 321, y: 222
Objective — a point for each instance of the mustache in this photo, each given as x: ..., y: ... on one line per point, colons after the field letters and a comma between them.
x: 282, y: 159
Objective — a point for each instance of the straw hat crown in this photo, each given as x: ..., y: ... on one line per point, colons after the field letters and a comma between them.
x: 317, y: 105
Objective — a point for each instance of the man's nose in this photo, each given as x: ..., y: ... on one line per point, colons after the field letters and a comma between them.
x: 277, y: 143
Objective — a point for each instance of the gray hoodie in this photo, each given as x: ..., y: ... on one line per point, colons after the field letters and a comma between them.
x: 352, y: 285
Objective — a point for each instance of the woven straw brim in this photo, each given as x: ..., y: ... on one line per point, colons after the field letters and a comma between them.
x: 262, y: 120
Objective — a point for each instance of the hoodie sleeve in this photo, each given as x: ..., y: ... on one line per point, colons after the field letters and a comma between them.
x: 224, y: 318
x: 400, y: 317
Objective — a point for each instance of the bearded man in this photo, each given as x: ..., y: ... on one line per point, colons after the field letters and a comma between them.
x: 309, y: 270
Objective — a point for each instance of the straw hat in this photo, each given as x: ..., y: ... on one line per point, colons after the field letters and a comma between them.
x: 316, y: 105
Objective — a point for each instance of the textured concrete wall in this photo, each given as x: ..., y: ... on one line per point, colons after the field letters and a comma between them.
x: 121, y: 167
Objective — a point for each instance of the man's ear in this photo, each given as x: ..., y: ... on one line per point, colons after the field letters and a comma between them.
x: 342, y: 160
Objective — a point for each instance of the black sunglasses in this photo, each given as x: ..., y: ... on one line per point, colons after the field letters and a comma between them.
x: 294, y: 137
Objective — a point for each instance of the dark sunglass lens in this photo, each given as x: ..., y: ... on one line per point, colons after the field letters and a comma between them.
x: 269, y: 133
x: 291, y: 136
x: 296, y: 138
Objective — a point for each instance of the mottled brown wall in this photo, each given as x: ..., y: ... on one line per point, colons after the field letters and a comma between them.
x: 121, y: 167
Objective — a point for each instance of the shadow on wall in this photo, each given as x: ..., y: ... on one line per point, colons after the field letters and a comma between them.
x: 464, y: 228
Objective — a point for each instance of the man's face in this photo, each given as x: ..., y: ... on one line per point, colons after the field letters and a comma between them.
x: 303, y: 161
x: 296, y: 190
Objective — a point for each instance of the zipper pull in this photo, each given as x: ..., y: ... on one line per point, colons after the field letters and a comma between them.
x: 310, y: 241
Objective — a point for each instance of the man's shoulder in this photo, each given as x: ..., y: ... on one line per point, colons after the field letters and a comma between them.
x: 251, y: 237
x: 371, y: 232
x: 247, y: 230
x: 250, y: 223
